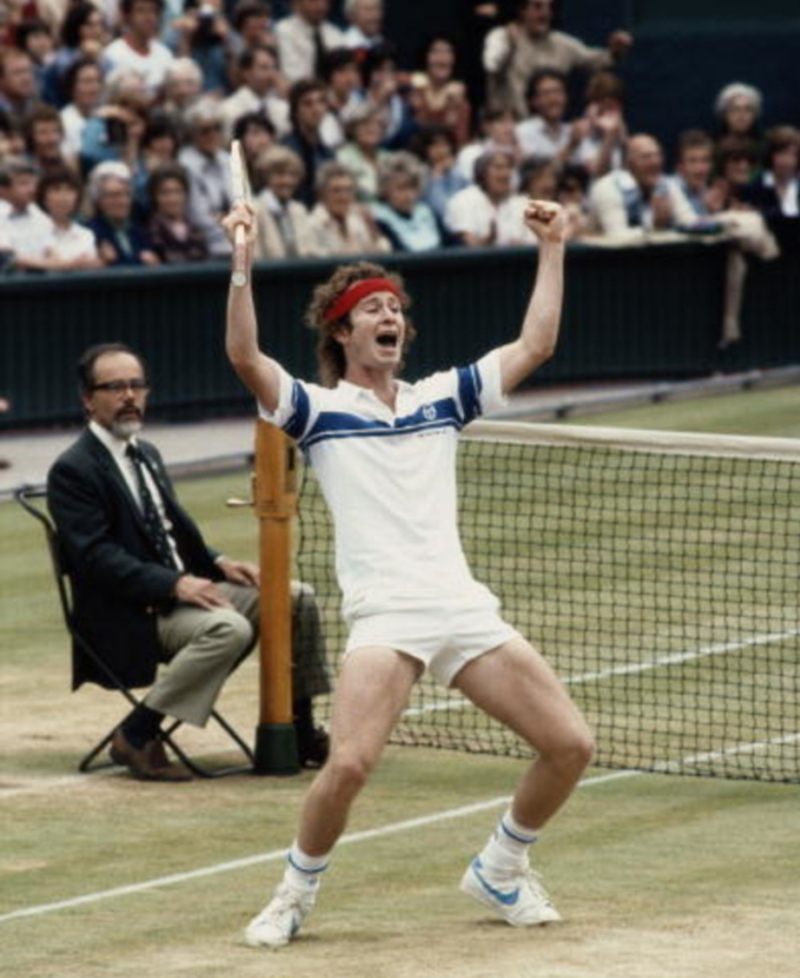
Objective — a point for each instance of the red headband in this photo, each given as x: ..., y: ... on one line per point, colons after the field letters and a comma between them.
x: 355, y: 293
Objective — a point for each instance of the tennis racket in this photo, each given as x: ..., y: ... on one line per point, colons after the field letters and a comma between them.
x: 240, y: 185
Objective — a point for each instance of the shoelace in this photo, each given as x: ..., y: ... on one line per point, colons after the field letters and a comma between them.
x: 534, y: 879
x: 287, y: 898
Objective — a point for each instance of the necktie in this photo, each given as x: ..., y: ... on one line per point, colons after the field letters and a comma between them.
x: 152, y: 518
x: 319, y: 53
x: 286, y: 229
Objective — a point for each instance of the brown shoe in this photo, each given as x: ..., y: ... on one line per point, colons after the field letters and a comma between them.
x: 160, y: 760
x: 148, y: 764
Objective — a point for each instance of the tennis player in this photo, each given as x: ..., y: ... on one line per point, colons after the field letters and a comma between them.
x: 384, y: 452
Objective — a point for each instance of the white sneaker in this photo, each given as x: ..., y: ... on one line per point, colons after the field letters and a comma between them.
x: 520, y: 899
x: 280, y: 920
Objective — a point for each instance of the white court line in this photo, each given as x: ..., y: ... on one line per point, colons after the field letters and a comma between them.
x: 674, y: 658
x: 248, y: 861
x: 711, y: 755
x: 351, y: 837
x: 45, y: 784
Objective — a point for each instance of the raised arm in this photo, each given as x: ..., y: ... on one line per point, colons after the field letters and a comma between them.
x: 539, y: 332
x: 258, y: 372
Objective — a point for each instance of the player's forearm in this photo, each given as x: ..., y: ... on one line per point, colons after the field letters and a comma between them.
x: 258, y: 372
x: 540, y: 326
x: 539, y: 332
x: 241, y: 334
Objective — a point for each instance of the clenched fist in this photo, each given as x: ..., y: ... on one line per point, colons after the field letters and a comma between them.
x: 547, y: 220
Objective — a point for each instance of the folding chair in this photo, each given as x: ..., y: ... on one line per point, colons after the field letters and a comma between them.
x: 33, y: 500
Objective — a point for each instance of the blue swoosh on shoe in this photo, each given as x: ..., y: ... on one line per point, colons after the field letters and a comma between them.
x: 507, y: 899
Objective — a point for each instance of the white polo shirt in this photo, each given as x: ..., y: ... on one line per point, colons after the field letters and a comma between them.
x: 470, y: 211
x: 152, y: 66
x: 29, y: 232
x: 536, y: 138
x: 73, y: 241
x: 389, y: 478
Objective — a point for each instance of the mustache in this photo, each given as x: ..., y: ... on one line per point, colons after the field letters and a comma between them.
x: 128, y: 410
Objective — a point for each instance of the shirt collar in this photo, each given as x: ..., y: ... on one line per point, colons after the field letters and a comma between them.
x: 356, y: 390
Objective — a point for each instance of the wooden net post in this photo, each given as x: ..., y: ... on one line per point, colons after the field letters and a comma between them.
x: 275, y: 504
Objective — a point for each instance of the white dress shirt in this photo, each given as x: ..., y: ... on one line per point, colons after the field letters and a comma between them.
x: 117, y: 448
x: 244, y: 101
x: 73, y: 242
x: 29, y: 233
x: 296, y: 47
x: 537, y: 138
x: 151, y: 66
x: 470, y: 211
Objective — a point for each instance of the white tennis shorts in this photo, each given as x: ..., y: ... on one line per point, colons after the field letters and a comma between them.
x: 443, y: 637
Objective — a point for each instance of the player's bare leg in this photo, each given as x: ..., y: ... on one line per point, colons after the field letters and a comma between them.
x: 515, y: 685
x: 373, y: 689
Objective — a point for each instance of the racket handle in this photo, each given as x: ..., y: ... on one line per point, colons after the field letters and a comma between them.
x: 239, y: 276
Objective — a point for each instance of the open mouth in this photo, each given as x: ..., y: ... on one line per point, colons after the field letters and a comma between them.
x: 389, y: 340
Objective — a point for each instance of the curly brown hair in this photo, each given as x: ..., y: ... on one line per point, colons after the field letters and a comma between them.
x: 330, y: 352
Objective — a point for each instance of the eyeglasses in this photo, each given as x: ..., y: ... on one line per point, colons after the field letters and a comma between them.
x: 120, y: 386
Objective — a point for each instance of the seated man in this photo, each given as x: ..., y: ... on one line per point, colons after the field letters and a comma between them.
x: 260, y: 90
x: 304, y: 37
x: 546, y: 134
x: 146, y: 587
x: 628, y: 204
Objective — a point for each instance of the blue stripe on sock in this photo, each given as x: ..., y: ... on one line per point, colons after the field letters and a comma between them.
x: 302, y: 869
x: 524, y: 840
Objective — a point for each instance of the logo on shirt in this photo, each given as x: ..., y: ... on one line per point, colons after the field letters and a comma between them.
x: 429, y: 412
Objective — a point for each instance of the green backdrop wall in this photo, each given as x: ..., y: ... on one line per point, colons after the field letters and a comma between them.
x: 646, y: 312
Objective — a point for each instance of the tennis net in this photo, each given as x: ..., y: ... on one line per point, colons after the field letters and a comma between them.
x: 659, y: 573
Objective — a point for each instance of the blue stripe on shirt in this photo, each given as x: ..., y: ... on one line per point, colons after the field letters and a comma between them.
x: 469, y: 389
x: 296, y: 424
x: 341, y: 424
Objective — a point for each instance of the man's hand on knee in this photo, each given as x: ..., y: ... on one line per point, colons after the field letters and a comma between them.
x: 200, y: 591
x: 239, y: 571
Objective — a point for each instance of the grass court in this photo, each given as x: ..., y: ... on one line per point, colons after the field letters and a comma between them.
x: 104, y: 876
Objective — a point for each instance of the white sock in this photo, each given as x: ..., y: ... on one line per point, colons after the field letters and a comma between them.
x: 303, y: 870
x: 507, y: 848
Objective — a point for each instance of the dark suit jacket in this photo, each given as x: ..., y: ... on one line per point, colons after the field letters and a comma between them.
x: 138, y: 238
x: 765, y: 199
x: 118, y: 585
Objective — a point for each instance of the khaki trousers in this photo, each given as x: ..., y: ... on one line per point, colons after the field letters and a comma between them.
x: 203, y: 647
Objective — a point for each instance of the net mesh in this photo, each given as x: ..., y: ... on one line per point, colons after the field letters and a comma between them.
x: 659, y: 576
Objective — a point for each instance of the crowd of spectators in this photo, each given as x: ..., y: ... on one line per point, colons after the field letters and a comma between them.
x: 116, y: 118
